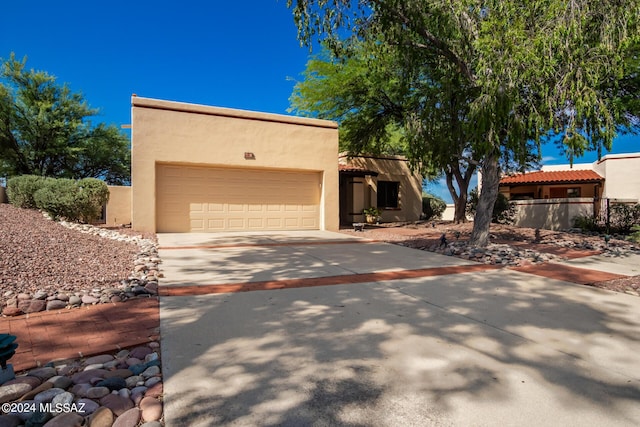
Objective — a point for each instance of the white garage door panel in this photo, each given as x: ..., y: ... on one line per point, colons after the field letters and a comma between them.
x: 218, y: 199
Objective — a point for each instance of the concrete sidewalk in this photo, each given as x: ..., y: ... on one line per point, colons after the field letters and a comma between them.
x: 493, y: 347
x: 622, y: 264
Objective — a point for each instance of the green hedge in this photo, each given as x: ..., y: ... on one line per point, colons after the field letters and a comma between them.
x: 504, y: 211
x: 20, y: 190
x: 93, y: 195
x: 432, y: 206
x: 60, y: 197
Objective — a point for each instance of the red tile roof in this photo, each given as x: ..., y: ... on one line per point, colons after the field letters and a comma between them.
x: 552, y: 177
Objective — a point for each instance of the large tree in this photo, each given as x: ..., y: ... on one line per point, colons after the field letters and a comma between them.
x: 45, y: 130
x: 385, y: 106
x: 534, y: 66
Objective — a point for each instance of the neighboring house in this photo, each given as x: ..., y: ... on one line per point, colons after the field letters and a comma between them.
x: 552, y: 185
x: 384, y: 182
x: 552, y: 197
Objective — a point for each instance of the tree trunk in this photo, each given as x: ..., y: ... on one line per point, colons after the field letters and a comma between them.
x: 486, y: 200
x: 459, y: 197
x: 460, y: 214
x: 452, y: 190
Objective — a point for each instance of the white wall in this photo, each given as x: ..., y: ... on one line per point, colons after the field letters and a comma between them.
x: 621, y: 176
x: 449, y: 212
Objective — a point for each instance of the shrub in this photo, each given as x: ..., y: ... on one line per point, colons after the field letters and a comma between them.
x: 635, y: 234
x: 624, y: 216
x: 586, y: 223
x: 93, y: 194
x: 432, y: 206
x: 20, y: 190
x: 58, y: 197
x: 504, y: 211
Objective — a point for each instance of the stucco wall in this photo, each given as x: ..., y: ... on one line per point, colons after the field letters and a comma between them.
x: 118, y: 210
x: 410, y: 190
x: 551, y: 214
x: 179, y: 133
x: 622, y: 176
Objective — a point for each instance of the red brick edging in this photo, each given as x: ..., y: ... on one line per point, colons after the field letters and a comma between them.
x: 177, y: 290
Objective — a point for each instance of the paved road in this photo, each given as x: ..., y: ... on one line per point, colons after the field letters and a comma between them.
x: 491, y: 348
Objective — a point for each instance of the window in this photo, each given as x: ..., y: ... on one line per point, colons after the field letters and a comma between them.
x: 573, y: 192
x: 388, y: 194
x: 564, y: 192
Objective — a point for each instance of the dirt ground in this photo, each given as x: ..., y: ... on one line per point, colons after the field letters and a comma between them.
x: 426, y: 235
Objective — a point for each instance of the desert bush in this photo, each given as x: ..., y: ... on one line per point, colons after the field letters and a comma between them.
x: 635, y: 234
x: 624, y: 216
x: 93, y: 194
x: 504, y: 211
x: 58, y: 197
x: 20, y: 190
x: 586, y: 223
x: 432, y: 206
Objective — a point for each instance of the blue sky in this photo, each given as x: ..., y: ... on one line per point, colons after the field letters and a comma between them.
x: 224, y: 53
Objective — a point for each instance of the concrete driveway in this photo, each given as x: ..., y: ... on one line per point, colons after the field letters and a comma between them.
x: 493, y: 347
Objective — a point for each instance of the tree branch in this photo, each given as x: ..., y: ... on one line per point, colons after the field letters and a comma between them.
x: 438, y: 44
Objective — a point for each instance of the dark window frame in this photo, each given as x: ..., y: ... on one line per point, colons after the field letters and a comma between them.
x: 388, y: 195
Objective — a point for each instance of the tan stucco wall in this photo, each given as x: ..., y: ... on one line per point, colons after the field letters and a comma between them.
x: 179, y: 133
x: 551, y: 214
x: 393, y: 168
x: 119, y: 205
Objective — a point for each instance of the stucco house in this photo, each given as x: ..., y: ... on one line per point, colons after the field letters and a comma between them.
x: 201, y: 168
x: 198, y: 168
x: 551, y: 197
x: 383, y: 182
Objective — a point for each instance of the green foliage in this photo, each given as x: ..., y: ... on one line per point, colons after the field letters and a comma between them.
x: 93, y: 195
x: 20, y: 190
x: 386, y: 106
x: 44, y: 130
x: 635, y: 234
x: 58, y: 197
x: 586, y: 223
x: 361, y: 97
x: 432, y: 206
x: 624, y: 216
x: 503, y: 210
x: 527, y: 68
x: 372, y: 211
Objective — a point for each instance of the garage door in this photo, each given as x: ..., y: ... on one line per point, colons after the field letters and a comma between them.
x: 201, y: 199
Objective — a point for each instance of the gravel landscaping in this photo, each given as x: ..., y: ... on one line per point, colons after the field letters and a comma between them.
x: 47, y: 265
x: 510, y: 246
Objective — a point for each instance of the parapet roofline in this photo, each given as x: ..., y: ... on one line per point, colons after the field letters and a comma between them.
x: 158, y: 104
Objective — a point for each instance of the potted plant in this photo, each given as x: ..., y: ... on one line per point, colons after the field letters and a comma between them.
x: 372, y: 215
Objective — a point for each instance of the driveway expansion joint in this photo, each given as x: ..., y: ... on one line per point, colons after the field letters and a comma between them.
x: 182, y: 290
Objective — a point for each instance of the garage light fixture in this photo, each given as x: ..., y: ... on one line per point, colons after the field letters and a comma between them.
x: 249, y: 156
